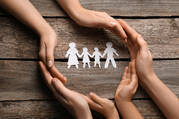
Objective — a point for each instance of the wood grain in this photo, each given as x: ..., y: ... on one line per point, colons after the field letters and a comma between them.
x: 115, y: 7
x: 17, y: 41
x: 20, y: 80
x: 53, y: 109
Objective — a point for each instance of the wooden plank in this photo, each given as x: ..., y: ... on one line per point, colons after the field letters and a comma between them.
x: 16, y: 41
x: 20, y: 80
x: 53, y: 109
x: 115, y: 7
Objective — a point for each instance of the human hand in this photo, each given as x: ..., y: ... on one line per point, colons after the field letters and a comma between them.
x: 103, y: 106
x: 128, y: 84
x: 139, y: 51
x: 48, y: 43
x: 90, y: 18
x: 71, y: 100
x: 46, y: 53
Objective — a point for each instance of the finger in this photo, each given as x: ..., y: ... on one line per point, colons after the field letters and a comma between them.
x: 120, y: 32
x: 96, y: 98
x: 59, y: 96
x: 133, y: 68
x: 134, y: 83
x: 42, y: 53
x: 125, y: 73
x: 60, y: 88
x: 134, y: 79
x: 114, y: 26
x: 54, y: 71
x: 128, y: 30
x: 141, y: 43
x: 50, y: 56
x: 128, y: 72
x: 92, y: 104
x: 47, y: 76
x: 131, y: 33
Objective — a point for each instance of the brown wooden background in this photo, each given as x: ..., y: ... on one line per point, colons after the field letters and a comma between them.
x: 23, y: 95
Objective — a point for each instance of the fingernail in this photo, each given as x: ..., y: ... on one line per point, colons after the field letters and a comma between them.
x: 125, y: 40
x: 91, y: 93
x: 139, y: 37
x: 50, y: 63
x: 113, y: 23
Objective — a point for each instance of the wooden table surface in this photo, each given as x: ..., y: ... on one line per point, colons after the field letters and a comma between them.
x: 23, y: 94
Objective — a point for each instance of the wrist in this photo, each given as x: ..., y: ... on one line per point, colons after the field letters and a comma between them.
x: 77, y: 14
x: 123, y: 104
x: 85, y: 114
x: 47, y: 31
x: 113, y: 115
x: 119, y: 99
x: 148, y: 78
x: 48, y: 34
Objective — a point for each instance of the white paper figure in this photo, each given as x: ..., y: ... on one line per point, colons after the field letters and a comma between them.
x: 110, y: 52
x: 85, y: 56
x: 72, y: 54
x: 96, y: 55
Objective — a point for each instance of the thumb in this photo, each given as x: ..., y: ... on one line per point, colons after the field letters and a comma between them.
x: 96, y: 98
x: 50, y: 56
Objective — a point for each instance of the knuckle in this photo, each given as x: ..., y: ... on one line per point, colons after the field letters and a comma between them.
x: 41, y: 54
x: 104, y: 13
x: 124, y: 37
x: 142, y: 43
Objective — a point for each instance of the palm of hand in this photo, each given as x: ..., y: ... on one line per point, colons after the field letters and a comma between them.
x: 102, y: 105
x: 77, y: 103
x: 125, y: 92
x: 128, y: 84
x: 73, y: 101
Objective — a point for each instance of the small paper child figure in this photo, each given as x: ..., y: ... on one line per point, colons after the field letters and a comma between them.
x: 85, y: 56
x: 110, y: 52
x: 96, y: 55
x: 72, y: 54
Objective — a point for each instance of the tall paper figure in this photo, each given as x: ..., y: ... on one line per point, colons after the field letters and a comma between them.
x: 72, y: 54
x: 110, y: 52
x: 85, y: 56
x: 96, y: 55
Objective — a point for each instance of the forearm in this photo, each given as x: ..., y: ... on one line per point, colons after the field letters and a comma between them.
x: 26, y: 13
x: 166, y: 100
x: 115, y: 115
x: 128, y: 110
x: 85, y: 114
x: 72, y: 7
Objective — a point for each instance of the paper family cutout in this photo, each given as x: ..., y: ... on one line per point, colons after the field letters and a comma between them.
x: 73, y: 56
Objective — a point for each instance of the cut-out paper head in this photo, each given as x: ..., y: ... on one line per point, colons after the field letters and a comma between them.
x: 96, y: 49
x: 85, y: 49
x: 109, y: 44
x: 72, y: 45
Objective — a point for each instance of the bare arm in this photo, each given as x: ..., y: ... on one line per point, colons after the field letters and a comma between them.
x: 27, y: 14
x: 166, y: 100
x: 90, y: 18
x: 126, y: 89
